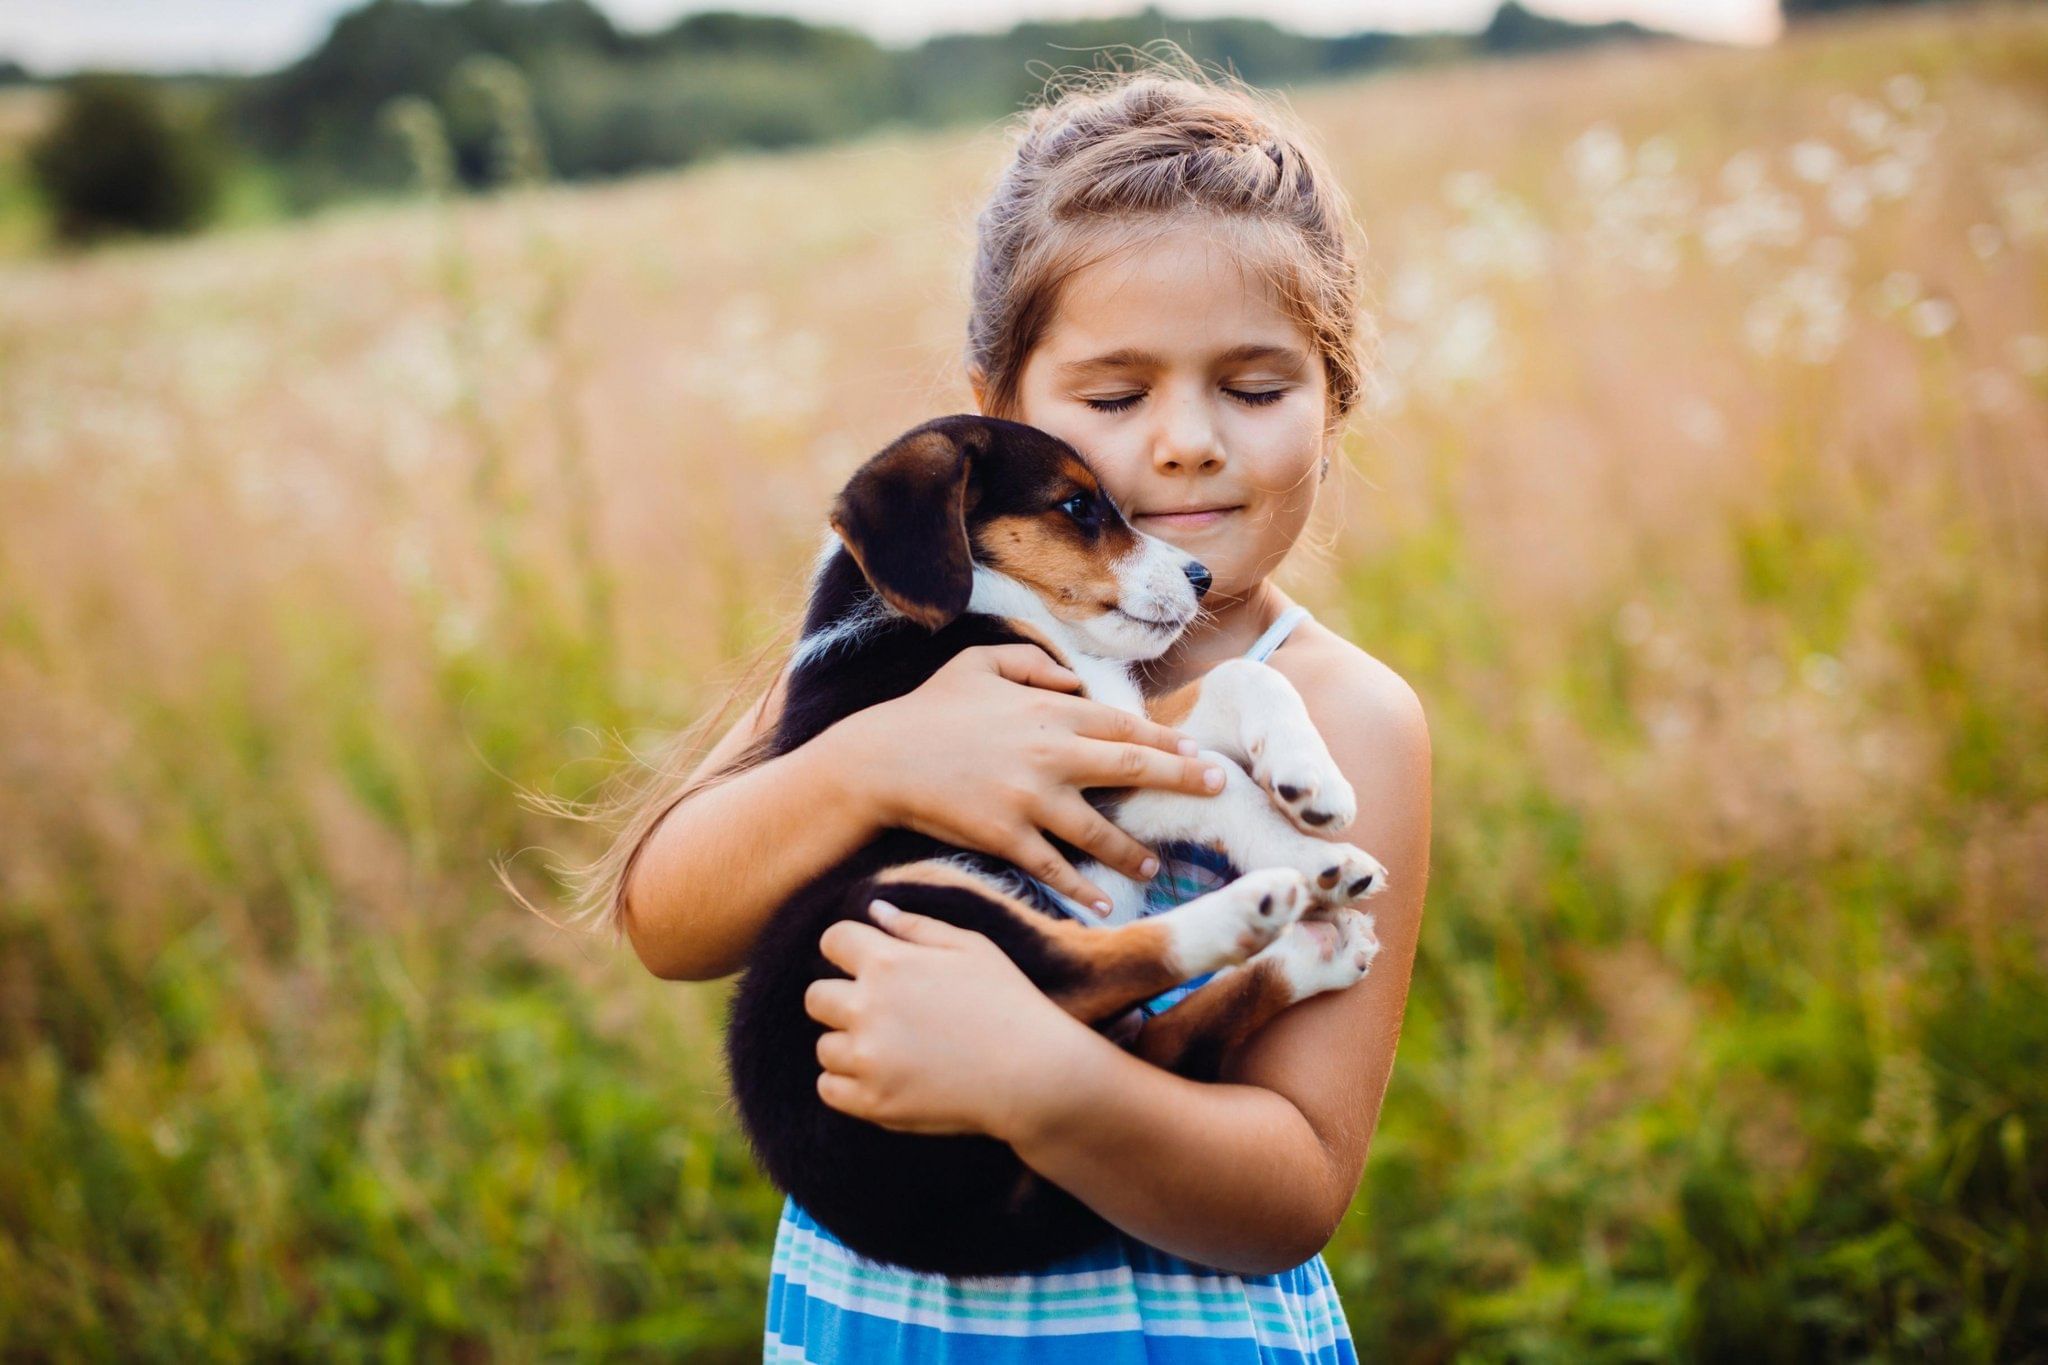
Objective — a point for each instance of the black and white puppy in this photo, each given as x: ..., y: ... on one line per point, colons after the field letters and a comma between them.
x: 969, y: 531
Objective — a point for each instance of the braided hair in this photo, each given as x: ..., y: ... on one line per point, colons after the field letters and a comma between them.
x: 1117, y: 156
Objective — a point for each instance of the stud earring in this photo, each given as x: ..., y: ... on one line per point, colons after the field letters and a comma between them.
x: 1326, y: 466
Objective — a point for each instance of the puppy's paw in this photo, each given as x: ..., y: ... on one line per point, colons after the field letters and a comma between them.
x: 1326, y: 952
x: 1339, y: 873
x: 1291, y: 762
x: 1233, y: 922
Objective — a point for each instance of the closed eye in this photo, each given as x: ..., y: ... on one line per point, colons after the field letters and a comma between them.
x: 1257, y: 398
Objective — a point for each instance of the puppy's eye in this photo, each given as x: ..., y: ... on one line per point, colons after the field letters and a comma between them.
x: 1083, y: 508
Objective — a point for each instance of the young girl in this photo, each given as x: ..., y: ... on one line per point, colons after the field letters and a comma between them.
x: 1164, y: 280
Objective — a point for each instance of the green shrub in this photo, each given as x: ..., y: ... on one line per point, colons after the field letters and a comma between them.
x: 117, y: 159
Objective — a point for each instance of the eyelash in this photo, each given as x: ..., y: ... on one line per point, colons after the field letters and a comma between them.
x: 1261, y: 399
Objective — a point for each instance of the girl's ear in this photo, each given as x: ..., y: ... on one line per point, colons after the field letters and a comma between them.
x: 903, y: 517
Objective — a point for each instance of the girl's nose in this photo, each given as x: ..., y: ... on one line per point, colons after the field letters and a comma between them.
x: 1186, y: 442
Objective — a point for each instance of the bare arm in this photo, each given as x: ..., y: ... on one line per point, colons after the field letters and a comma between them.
x: 1254, y: 1176
x: 987, y: 754
x: 700, y: 890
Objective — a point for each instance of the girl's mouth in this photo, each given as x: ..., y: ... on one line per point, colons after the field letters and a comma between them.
x: 1186, y: 521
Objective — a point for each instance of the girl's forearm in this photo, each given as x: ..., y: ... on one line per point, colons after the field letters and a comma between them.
x: 720, y: 863
x: 1231, y: 1176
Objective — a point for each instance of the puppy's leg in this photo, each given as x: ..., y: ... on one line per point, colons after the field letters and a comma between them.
x: 1096, y: 974
x: 1241, y: 820
x: 1250, y: 711
x: 1316, y: 955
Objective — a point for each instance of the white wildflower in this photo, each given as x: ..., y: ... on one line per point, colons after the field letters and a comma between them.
x: 1657, y: 157
x: 1869, y: 122
x: 1599, y: 159
x: 1891, y: 179
x: 1466, y: 188
x: 1849, y: 199
x: 1413, y: 294
x: 1702, y: 423
x: 1815, y: 162
x: 1898, y: 290
x: 1744, y: 173
x: 1931, y: 318
x: 1822, y: 672
x: 1466, y: 349
x: 1905, y: 91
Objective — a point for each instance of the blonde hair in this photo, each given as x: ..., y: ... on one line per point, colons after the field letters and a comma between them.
x: 1114, y: 157
x: 1118, y: 156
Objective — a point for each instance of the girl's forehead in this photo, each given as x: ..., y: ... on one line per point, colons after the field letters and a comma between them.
x: 1202, y: 286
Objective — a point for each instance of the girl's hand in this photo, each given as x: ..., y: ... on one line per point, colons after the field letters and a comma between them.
x: 991, y: 753
x: 937, y: 1031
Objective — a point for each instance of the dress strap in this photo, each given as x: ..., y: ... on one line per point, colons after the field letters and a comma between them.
x: 1277, y: 632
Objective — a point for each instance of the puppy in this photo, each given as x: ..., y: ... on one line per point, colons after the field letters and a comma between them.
x: 969, y: 531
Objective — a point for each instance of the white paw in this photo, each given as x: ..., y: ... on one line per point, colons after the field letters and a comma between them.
x: 1338, y: 874
x: 1325, y: 953
x: 1290, y: 761
x: 1233, y: 922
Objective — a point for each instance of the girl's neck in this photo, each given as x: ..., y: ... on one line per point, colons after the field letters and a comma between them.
x: 1227, y: 630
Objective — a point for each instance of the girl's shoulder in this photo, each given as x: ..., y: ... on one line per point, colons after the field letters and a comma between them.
x: 1357, y: 701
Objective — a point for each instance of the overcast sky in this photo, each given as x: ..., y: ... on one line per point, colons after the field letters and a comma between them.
x: 51, y: 36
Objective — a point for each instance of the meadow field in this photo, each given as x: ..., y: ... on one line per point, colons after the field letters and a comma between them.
x: 1702, y: 494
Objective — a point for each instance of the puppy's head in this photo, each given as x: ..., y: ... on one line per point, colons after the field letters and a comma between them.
x: 966, y: 492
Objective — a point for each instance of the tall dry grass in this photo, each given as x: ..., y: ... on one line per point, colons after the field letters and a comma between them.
x: 1700, y: 494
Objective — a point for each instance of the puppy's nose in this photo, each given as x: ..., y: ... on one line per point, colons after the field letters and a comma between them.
x: 1198, y: 574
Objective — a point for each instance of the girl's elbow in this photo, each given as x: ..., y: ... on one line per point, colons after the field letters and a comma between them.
x: 664, y: 954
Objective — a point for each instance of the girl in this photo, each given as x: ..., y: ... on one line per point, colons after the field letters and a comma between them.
x: 1164, y: 280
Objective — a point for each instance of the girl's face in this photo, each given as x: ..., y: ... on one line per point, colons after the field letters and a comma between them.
x: 1197, y: 401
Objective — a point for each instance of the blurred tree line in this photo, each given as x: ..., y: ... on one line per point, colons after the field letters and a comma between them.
x: 607, y: 101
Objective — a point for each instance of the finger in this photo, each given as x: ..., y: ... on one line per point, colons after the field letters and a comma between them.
x: 1081, y: 825
x: 836, y: 1053
x: 843, y: 1093
x: 1104, y: 764
x: 1043, y: 861
x: 1098, y: 721
x: 921, y: 928
x: 1032, y: 666
x: 830, y: 1001
x: 850, y: 944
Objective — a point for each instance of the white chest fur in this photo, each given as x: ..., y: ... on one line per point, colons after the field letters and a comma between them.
x: 1108, y: 681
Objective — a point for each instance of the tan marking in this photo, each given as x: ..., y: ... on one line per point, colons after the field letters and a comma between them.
x: 1120, y: 966
x: 1227, y: 1010
x: 1171, y: 708
x: 1046, y: 555
x: 936, y: 873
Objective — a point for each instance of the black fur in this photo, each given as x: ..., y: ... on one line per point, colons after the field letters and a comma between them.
x: 955, y: 1205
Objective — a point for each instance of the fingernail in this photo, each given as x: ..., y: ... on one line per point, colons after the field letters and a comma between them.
x: 883, y: 910
x: 1148, y: 867
x: 1189, y: 748
x: 1102, y: 907
x: 1212, y: 778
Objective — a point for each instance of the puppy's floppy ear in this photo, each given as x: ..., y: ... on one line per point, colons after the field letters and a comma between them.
x: 903, y: 517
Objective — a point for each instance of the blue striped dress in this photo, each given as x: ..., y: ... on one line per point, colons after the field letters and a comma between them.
x: 1121, y: 1302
